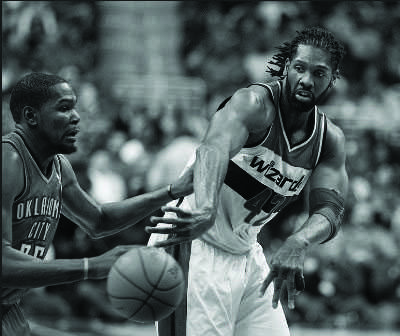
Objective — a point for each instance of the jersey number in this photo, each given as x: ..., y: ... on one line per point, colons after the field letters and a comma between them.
x: 38, y: 252
x: 257, y: 203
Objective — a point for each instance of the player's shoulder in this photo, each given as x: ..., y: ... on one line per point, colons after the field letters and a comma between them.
x: 334, y: 134
x: 254, y: 105
x: 13, y: 168
x: 254, y: 96
x: 10, y: 154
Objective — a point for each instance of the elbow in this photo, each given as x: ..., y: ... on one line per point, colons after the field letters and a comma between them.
x: 99, y: 228
x: 96, y: 232
x: 211, y: 152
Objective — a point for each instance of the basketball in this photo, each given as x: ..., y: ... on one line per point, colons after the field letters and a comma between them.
x: 145, y: 284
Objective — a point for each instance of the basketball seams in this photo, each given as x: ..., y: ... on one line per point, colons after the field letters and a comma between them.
x: 130, y: 281
x: 126, y: 298
x: 145, y: 270
x: 148, y: 280
x: 140, y: 300
x: 169, y: 288
x: 149, y: 295
x: 137, y: 293
x: 142, y: 263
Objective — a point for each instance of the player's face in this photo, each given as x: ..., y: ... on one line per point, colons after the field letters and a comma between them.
x: 308, y: 77
x: 59, y: 119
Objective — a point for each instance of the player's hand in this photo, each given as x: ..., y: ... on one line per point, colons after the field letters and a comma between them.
x: 287, y: 271
x: 187, y: 226
x: 100, y: 266
x: 184, y: 185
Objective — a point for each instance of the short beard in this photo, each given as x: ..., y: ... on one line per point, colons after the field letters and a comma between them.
x: 298, y: 105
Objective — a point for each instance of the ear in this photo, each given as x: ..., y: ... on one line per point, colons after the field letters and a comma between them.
x: 30, y: 115
x: 335, y: 75
x: 287, y: 63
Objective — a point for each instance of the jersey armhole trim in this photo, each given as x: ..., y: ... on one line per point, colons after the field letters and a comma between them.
x: 25, y: 187
x: 323, y: 138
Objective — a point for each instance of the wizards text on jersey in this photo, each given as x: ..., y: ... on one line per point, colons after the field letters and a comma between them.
x: 274, y: 174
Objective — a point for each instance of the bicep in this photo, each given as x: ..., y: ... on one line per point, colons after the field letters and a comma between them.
x: 331, y: 172
x: 328, y: 177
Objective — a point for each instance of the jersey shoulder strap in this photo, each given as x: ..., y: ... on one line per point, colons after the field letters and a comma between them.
x: 273, y: 87
x: 15, y: 140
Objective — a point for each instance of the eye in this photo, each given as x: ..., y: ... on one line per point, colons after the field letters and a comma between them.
x: 66, y: 107
x: 320, y: 74
x: 299, y: 68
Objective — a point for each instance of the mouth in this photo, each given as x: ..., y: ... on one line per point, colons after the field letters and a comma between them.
x: 72, y: 135
x: 304, y: 95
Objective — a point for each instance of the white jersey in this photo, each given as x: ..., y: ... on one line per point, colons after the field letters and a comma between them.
x: 261, y: 181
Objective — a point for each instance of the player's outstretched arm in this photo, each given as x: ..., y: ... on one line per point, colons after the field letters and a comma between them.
x: 328, y: 190
x: 100, y: 220
x: 20, y: 270
x: 248, y: 111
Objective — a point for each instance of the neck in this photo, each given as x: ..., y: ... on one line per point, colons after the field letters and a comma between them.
x: 38, y: 148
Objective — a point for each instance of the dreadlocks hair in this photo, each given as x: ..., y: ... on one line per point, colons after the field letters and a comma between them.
x: 314, y: 36
x: 32, y: 90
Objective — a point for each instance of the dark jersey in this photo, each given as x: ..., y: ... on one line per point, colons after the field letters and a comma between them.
x: 36, y: 210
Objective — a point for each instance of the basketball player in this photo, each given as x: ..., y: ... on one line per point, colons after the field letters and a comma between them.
x: 39, y: 184
x: 262, y: 147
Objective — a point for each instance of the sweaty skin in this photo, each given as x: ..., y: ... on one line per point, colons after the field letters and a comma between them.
x: 243, y: 121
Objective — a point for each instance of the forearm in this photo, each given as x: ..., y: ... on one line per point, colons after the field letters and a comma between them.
x: 209, y: 173
x: 315, y: 230
x: 118, y: 216
x: 23, y: 271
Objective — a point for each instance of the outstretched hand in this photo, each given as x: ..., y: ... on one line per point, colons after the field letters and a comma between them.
x: 287, y: 271
x: 188, y: 225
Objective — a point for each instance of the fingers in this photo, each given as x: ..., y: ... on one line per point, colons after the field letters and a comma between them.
x: 278, y: 283
x: 169, y: 220
x: 270, y: 277
x: 284, y: 279
x: 291, y: 290
x: 299, y: 282
x: 172, y: 241
x: 163, y: 230
x: 176, y: 209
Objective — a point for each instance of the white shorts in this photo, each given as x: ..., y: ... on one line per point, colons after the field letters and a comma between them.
x: 223, y: 295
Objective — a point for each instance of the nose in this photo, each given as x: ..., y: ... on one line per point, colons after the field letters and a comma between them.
x: 75, y: 117
x: 306, y: 80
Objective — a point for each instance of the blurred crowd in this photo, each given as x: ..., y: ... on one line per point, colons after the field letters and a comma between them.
x: 126, y: 149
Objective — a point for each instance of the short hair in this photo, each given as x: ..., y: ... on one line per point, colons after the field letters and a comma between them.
x: 32, y: 90
x: 314, y: 36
